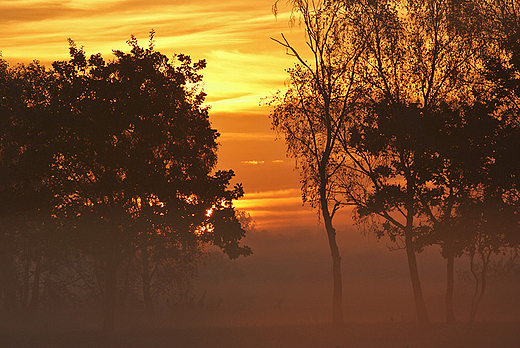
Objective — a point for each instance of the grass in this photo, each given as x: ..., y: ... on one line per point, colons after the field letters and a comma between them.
x: 365, y: 335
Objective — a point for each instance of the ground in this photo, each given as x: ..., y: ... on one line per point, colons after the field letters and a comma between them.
x: 362, y: 335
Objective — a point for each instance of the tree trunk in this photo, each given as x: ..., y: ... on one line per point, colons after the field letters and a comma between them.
x: 35, y: 293
x: 450, y: 316
x: 8, y: 280
x: 337, y: 298
x: 420, y: 306
x: 26, y: 275
x: 479, y: 290
x: 110, y: 297
x: 147, y: 296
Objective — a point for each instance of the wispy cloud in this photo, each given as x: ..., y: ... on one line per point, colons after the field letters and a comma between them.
x: 253, y: 162
x: 274, y: 193
x: 244, y: 65
x: 269, y: 199
x: 276, y: 208
x: 248, y: 136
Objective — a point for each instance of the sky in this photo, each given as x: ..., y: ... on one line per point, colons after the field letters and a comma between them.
x: 244, y: 66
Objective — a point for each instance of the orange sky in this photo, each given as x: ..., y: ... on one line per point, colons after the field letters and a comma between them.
x: 244, y: 65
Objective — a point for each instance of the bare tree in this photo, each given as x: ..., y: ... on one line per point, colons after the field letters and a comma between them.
x: 314, y: 111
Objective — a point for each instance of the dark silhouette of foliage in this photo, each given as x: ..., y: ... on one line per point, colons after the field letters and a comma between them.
x: 26, y: 197
x: 417, y: 152
x: 115, y: 160
x: 419, y: 75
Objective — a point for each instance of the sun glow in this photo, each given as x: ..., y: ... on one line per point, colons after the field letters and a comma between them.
x: 204, y: 230
x: 243, y: 64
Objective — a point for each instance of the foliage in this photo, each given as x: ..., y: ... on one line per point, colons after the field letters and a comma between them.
x: 422, y: 148
x: 104, y: 159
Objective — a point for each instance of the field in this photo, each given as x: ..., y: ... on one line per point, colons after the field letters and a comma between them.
x: 479, y: 335
x: 280, y: 297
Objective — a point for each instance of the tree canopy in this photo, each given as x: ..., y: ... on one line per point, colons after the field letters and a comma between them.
x: 119, y: 155
x: 420, y: 150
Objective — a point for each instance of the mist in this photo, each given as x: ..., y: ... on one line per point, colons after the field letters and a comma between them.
x: 280, y: 297
x: 287, y: 280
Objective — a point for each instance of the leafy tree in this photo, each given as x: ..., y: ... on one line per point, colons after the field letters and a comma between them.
x: 463, y: 156
x: 416, y: 73
x: 396, y: 152
x: 493, y: 207
x: 113, y: 159
x: 429, y: 145
x: 8, y: 104
x: 137, y: 157
x: 26, y: 197
x: 315, y: 110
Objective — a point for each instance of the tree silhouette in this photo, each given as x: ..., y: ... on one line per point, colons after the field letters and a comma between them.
x: 120, y: 157
x: 26, y: 197
x: 492, y: 210
x: 138, y: 158
x: 314, y: 112
x: 412, y: 149
x: 417, y: 72
x: 10, y: 105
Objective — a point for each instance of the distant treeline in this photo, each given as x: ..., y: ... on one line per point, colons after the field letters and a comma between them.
x: 409, y: 111
x: 108, y: 187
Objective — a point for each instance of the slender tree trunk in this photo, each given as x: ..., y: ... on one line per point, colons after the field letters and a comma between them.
x: 450, y: 316
x: 337, y: 298
x: 35, y: 292
x: 110, y: 297
x: 480, y: 279
x: 25, y: 293
x: 420, y: 305
x: 147, y: 296
x: 8, y: 278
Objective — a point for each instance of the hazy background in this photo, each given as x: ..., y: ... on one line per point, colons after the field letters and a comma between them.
x: 288, y: 279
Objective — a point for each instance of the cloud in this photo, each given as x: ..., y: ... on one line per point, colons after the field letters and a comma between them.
x: 34, y: 12
x: 253, y: 162
x: 248, y: 136
x: 256, y: 75
x: 277, y: 209
x: 223, y: 100
x: 244, y: 65
x: 280, y: 209
x: 269, y: 199
x: 274, y: 193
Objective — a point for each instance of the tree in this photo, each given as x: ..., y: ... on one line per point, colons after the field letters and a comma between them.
x: 461, y: 168
x: 314, y: 111
x: 137, y: 158
x: 416, y: 72
x: 416, y: 150
x: 26, y: 198
x: 123, y: 155
x: 8, y: 104
x: 493, y: 209
x: 429, y: 145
